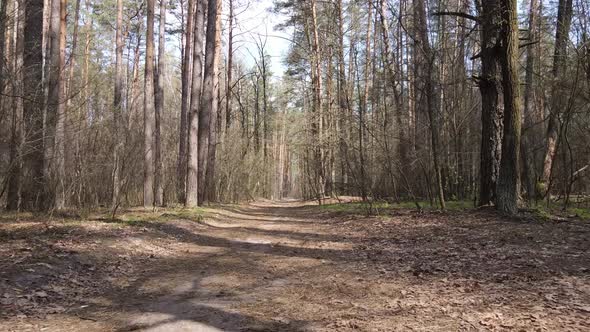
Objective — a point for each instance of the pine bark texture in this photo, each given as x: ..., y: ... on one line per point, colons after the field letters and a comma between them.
x: 507, y: 187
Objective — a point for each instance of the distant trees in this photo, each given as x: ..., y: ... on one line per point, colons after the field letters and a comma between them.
x: 386, y: 99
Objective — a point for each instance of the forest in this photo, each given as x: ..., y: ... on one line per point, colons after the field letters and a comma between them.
x: 171, y: 165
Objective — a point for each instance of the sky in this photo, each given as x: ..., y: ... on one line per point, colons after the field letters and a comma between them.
x: 254, y: 21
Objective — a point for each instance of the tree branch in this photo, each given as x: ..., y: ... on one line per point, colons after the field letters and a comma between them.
x: 459, y: 14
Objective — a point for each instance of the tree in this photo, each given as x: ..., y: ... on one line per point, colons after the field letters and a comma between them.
x: 213, y: 105
x: 34, y: 180
x: 194, y: 137
x: 507, y: 195
x: 530, y: 103
x: 317, y: 117
x: 55, y: 118
x: 229, y: 68
x: 14, y: 195
x: 159, y: 103
x: 118, y: 104
x: 149, y: 121
x: 425, y: 64
x: 187, y: 65
x: 208, y: 100
x: 492, y: 107
x: 564, y: 20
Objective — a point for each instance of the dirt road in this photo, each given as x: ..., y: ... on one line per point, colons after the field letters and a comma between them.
x: 288, y: 266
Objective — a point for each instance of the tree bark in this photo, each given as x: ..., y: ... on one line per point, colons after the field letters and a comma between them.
x: 194, y: 161
x: 14, y: 195
x: 208, y: 101
x: 564, y: 20
x: 492, y: 108
x: 507, y: 198
x: 214, y: 106
x: 55, y: 118
x: 530, y: 104
x: 230, y: 57
x: 426, y: 70
x: 117, y: 105
x: 149, y: 111
x: 33, y: 154
x: 187, y: 65
x: 3, y: 55
x: 317, y: 121
x: 159, y: 101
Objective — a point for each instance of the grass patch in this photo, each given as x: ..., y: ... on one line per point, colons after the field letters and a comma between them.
x: 134, y: 218
x: 547, y: 213
x: 381, y: 206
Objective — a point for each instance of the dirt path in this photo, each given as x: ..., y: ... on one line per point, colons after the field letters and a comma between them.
x: 293, y: 267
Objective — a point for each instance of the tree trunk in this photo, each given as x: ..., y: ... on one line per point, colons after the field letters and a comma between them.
x: 14, y: 198
x: 194, y: 162
x: 317, y: 121
x: 564, y: 20
x: 33, y: 153
x: 426, y: 70
x: 491, y: 102
x: 187, y: 65
x: 230, y: 51
x: 159, y: 101
x: 214, y: 106
x: 55, y: 118
x: 208, y: 101
x: 3, y: 55
x: 73, y: 55
x: 117, y: 105
x: 149, y: 110
x: 530, y: 104
x: 508, y: 177
x: 342, y: 97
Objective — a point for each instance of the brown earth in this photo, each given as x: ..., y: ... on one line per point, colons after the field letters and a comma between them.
x: 292, y: 266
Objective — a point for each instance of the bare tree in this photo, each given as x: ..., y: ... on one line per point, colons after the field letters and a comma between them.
x: 118, y: 105
x: 564, y: 20
x: 34, y: 178
x: 159, y: 103
x: 507, y: 195
x: 149, y: 110
x: 194, y: 140
x: 213, y: 105
x: 492, y: 107
x: 208, y: 101
x: 187, y: 65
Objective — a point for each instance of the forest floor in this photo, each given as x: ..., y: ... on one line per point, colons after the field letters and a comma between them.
x: 293, y: 266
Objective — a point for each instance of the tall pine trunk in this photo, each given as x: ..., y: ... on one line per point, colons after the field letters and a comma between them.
x: 33, y: 152
x: 117, y: 105
x: 194, y: 162
x: 214, y: 106
x: 425, y: 63
x: 208, y: 97
x: 507, y: 194
x: 186, y: 80
x: 564, y: 20
x: 149, y: 121
x: 159, y: 103
x: 14, y: 195
x: 492, y: 106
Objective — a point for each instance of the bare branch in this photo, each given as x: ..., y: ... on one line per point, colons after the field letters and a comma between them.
x: 459, y: 14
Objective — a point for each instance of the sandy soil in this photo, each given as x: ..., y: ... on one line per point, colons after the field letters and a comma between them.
x: 291, y: 266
